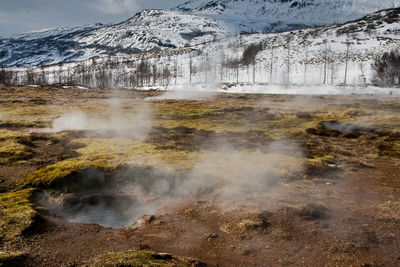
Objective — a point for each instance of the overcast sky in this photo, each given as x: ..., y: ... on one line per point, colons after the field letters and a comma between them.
x: 17, y: 16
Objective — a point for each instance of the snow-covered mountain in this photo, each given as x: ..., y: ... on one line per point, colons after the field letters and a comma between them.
x: 322, y: 56
x: 191, y: 23
x: 276, y: 15
x: 148, y: 30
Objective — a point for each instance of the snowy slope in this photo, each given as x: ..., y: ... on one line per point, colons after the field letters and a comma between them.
x: 313, y: 57
x: 278, y: 15
x: 191, y: 23
x: 155, y: 29
x: 147, y: 31
x: 43, y: 47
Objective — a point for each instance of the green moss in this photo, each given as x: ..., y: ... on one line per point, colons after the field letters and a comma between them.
x: 138, y: 258
x: 17, y: 213
x: 53, y: 174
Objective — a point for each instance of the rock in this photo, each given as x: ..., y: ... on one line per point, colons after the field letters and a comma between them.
x: 250, y: 224
x: 162, y: 256
x: 209, y: 237
x: 248, y: 252
x: 195, y: 263
x: 313, y: 212
x: 304, y: 115
x: 70, y: 199
x: 352, y: 135
x: 146, y: 219
x: 144, y: 247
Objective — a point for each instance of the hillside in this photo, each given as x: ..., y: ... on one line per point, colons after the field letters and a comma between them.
x: 284, y: 15
x: 316, y: 56
x: 188, y: 24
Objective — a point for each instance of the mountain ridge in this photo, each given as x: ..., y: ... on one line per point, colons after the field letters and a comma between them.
x: 190, y: 23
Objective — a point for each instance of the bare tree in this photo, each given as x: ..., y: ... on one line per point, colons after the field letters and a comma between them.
x: 166, y: 74
x: 175, y: 69
x: 254, y: 71
x: 250, y: 53
x: 7, y: 76
x: 272, y: 62
x: 2, y: 75
x: 29, y: 76
x: 325, y: 59
x: 154, y: 73
x: 387, y: 69
x: 347, y: 61
x: 288, y: 41
x: 190, y: 68
x: 306, y: 44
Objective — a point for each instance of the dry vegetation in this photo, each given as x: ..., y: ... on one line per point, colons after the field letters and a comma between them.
x: 335, y: 200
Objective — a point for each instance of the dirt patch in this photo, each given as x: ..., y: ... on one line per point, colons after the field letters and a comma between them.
x: 342, y: 210
x: 40, y: 150
x: 186, y: 138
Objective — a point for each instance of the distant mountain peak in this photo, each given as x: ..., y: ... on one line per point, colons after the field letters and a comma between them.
x: 310, y: 12
x: 193, y: 22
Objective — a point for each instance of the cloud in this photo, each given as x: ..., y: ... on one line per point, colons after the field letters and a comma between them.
x: 18, y: 16
x: 115, y: 6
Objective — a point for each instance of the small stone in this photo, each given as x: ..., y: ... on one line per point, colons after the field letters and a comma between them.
x: 209, y: 237
x: 162, y: 256
x: 144, y: 247
x: 146, y: 219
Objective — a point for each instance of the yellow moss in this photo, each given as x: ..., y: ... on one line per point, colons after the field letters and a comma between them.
x: 17, y: 213
x: 108, y: 154
x: 10, y: 149
x: 317, y: 161
x: 119, y: 151
x: 6, y: 134
x: 28, y: 115
x: 137, y: 258
x: 390, y: 149
x: 47, y: 176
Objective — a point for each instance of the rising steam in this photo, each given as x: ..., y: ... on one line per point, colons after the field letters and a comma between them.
x: 133, y: 123
x: 188, y: 91
x: 229, y: 176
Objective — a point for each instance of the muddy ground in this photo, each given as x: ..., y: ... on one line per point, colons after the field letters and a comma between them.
x: 289, y: 180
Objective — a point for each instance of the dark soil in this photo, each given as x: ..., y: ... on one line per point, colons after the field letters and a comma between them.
x: 42, y: 150
x: 343, y: 210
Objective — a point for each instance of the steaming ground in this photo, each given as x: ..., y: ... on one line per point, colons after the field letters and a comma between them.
x: 132, y: 120
x: 225, y: 175
x: 189, y: 91
x: 230, y: 179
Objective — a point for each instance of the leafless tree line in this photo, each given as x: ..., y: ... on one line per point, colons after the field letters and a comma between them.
x: 112, y: 72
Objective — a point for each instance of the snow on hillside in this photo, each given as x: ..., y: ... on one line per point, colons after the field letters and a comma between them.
x: 278, y: 15
x: 63, y: 32
x: 148, y: 30
x: 314, y: 57
x: 154, y: 29
x: 45, y: 47
x: 191, y: 23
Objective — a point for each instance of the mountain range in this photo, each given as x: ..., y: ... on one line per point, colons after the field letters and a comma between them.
x: 191, y: 23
